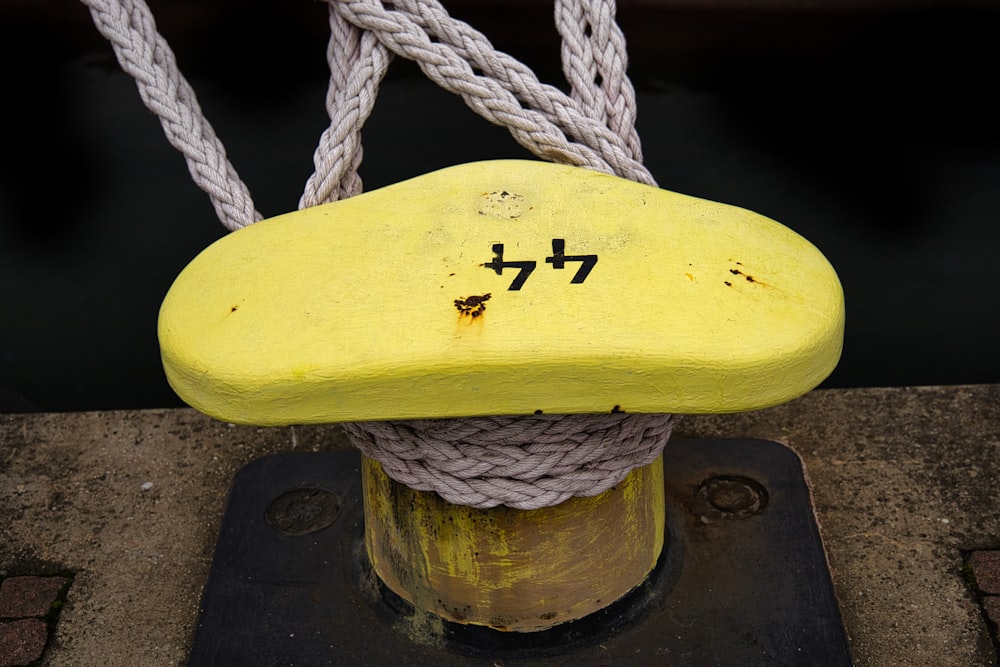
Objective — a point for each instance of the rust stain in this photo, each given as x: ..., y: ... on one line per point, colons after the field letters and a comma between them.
x: 472, y: 306
x: 737, y: 272
x: 746, y: 276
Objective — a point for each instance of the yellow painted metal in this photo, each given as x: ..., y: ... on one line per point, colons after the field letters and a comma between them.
x: 514, y: 570
x: 398, y: 303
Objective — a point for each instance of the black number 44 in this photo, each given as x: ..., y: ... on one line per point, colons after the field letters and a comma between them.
x: 558, y: 260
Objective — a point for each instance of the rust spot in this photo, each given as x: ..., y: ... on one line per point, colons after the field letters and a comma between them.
x: 748, y: 277
x: 473, y: 306
x: 689, y: 277
x: 233, y: 309
x: 728, y: 284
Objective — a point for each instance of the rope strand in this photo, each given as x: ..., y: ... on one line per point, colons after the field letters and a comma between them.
x: 358, y: 63
x: 556, y: 132
x: 595, y: 63
x: 145, y: 55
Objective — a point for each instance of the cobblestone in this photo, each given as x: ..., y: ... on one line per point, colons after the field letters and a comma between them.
x: 22, y: 642
x: 25, y: 597
x: 991, y: 605
x: 26, y: 606
x: 986, y: 568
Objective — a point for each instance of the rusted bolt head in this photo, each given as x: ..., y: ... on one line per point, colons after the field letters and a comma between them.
x: 303, y: 511
x: 729, y: 497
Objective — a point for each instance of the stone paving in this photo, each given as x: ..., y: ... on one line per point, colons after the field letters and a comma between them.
x: 983, y: 568
x: 29, y: 609
x: 905, y: 485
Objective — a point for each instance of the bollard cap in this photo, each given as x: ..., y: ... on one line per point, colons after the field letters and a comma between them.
x: 502, y: 287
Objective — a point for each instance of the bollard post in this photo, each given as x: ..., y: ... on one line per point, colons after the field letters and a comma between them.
x: 508, y: 569
x: 503, y: 288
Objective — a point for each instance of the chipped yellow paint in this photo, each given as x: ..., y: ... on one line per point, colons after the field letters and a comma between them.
x: 511, y: 569
x: 397, y: 304
x: 502, y: 205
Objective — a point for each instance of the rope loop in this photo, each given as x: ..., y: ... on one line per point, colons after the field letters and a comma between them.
x: 461, y: 60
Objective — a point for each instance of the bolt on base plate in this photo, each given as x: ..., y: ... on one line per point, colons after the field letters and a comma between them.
x: 743, y: 578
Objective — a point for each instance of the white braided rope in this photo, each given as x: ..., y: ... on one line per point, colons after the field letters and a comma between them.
x: 594, y: 62
x: 522, y: 462
x: 556, y: 130
x: 566, y: 113
x: 358, y: 63
x: 144, y: 54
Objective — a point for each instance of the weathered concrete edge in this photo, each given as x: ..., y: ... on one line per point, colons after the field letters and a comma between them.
x: 904, y: 480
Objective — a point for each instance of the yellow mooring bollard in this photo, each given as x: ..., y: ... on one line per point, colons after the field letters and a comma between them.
x: 504, y: 288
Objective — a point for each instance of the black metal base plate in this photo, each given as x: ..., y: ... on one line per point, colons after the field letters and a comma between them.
x: 743, y: 579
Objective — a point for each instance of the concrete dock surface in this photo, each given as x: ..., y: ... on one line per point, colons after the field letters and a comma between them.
x: 127, y: 506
